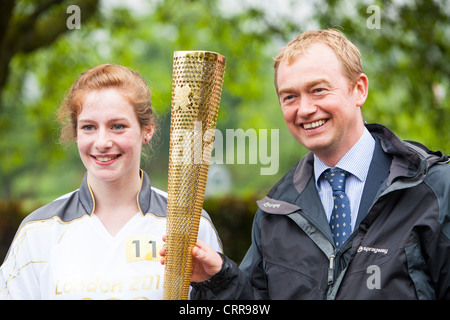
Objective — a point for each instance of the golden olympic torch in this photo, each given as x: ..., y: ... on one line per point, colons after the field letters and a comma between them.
x: 196, y: 89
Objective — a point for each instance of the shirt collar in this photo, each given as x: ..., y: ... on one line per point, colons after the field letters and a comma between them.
x: 356, y: 161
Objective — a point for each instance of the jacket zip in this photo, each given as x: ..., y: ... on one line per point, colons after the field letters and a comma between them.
x: 335, y: 256
x: 331, y: 270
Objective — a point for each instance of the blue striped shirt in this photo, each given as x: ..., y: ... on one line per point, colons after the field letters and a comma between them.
x: 357, y: 162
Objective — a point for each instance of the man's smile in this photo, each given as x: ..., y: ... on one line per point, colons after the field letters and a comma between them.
x: 314, y: 125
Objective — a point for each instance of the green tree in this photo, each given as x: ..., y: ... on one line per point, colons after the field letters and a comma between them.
x: 406, y: 58
x: 144, y: 42
x: 27, y: 28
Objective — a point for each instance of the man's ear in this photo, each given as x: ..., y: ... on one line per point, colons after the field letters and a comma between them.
x: 361, y: 89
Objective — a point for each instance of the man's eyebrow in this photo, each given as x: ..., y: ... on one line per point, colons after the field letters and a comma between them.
x: 313, y: 83
x: 308, y: 85
x: 286, y: 90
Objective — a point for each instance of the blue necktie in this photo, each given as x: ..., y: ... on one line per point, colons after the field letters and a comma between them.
x: 340, y: 216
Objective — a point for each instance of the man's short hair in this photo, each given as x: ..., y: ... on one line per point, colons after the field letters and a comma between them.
x: 345, y: 50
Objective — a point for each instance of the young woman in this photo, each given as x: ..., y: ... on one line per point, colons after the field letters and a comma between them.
x: 101, y: 241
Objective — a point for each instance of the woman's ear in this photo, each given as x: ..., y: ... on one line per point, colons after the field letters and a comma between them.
x: 148, y: 134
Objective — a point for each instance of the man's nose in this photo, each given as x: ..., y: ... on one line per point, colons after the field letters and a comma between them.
x: 306, y: 108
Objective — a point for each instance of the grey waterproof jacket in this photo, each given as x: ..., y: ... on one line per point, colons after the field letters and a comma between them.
x: 400, y: 248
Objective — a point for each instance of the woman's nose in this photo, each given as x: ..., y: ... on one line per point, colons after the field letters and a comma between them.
x: 103, y: 140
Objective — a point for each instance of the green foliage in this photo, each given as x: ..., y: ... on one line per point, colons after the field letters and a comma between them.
x: 406, y: 60
x: 233, y: 217
x: 145, y: 43
x: 10, y: 218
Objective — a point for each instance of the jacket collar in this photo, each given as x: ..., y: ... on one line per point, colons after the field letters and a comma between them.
x: 410, y: 163
x: 410, y: 160
x: 143, y: 199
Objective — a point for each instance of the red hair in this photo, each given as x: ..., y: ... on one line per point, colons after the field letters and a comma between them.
x: 131, y: 84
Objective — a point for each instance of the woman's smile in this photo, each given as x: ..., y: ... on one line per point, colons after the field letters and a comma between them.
x: 105, y: 160
x: 109, y: 145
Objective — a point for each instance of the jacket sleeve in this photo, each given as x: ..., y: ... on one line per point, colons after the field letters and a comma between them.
x: 439, y: 265
x: 246, y: 282
x: 230, y: 283
x: 437, y: 244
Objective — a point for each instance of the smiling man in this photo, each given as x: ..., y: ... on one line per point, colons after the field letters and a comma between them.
x: 322, y: 107
x: 364, y: 215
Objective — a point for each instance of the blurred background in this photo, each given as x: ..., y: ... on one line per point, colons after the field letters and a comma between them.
x: 44, y: 46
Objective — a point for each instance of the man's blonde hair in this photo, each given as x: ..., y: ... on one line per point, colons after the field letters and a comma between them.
x: 345, y: 50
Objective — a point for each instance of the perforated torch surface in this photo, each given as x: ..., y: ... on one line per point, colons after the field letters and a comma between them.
x: 196, y: 90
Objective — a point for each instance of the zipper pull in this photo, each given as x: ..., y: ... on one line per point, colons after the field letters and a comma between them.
x: 331, y: 271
